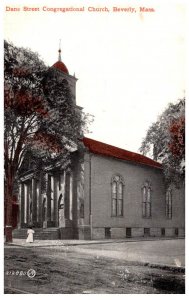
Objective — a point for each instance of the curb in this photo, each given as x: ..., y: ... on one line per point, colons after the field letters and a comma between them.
x: 91, y: 242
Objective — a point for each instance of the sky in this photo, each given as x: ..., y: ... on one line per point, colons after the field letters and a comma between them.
x: 129, y: 65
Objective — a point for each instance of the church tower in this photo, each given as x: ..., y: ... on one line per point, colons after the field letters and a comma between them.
x: 64, y: 73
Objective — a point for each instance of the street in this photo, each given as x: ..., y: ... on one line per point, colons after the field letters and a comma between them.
x: 96, y: 268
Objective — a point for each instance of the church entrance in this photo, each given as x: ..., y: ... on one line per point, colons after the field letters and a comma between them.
x: 61, y: 218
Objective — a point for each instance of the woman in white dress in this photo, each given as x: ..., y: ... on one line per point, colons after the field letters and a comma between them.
x: 30, y: 233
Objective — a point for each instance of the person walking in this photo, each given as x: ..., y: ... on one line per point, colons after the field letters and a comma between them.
x: 30, y: 233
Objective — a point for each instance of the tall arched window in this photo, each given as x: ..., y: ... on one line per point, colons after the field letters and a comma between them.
x: 117, y: 196
x: 168, y: 206
x: 146, y: 200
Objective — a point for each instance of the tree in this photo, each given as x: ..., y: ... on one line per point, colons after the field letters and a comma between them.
x: 40, y: 120
x: 166, y: 138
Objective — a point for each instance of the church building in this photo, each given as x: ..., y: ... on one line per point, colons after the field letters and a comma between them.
x: 106, y: 192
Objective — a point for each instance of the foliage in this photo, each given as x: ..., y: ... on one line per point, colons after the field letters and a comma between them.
x: 42, y: 124
x: 167, y: 139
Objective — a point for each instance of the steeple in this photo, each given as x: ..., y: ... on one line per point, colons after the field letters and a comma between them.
x: 59, y: 51
x: 59, y: 64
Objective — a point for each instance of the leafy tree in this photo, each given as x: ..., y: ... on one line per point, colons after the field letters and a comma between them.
x: 41, y: 121
x: 166, y: 138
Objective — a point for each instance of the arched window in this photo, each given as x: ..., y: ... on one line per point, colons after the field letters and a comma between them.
x: 146, y: 200
x: 168, y: 205
x: 117, y: 196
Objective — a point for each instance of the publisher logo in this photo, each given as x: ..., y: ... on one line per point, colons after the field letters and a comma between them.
x: 31, y: 273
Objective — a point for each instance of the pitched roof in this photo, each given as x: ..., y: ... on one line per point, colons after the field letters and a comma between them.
x: 115, y: 152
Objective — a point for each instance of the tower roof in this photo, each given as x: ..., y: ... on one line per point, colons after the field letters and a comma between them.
x: 59, y: 64
x: 61, y: 67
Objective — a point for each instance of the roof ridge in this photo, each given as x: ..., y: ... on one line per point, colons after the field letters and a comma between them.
x: 101, y: 148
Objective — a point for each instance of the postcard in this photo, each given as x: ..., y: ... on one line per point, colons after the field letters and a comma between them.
x: 94, y: 146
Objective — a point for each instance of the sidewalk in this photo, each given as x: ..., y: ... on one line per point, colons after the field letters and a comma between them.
x: 45, y: 243
x: 164, y: 253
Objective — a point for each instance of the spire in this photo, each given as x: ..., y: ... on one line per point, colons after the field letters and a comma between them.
x: 59, y: 64
x: 59, y: 51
